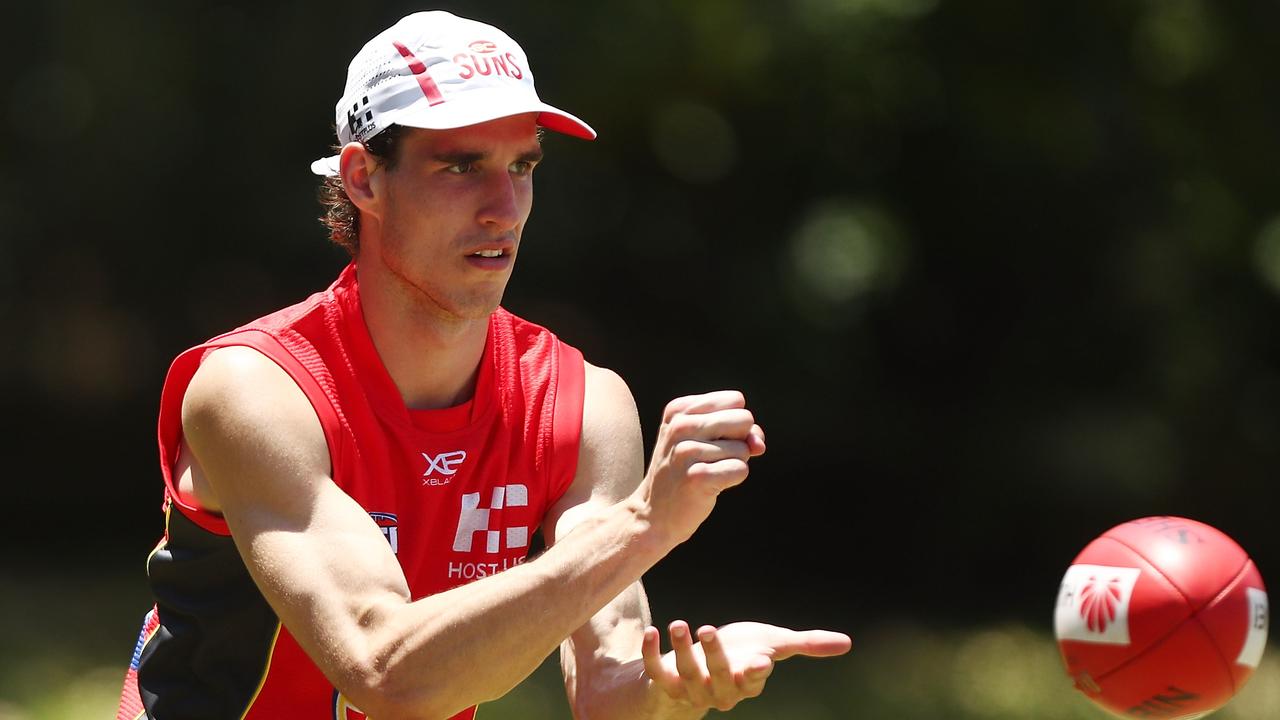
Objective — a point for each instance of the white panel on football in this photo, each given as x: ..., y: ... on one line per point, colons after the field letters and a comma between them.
x: 1093, y: 604
x: 1256, y: 641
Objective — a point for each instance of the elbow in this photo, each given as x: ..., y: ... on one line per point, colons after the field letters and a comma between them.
x: 391, y: 673
x: 583, y: 700
x: 590, y: 707
x: 384, y: 701
x: 390, y: 691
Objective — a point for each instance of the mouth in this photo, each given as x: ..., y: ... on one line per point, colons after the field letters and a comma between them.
x: 492, y: 258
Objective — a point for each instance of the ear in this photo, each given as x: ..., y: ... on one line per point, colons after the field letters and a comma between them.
x: 357, y: 166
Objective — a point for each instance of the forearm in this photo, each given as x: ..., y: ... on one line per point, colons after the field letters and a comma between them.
x: 622, y: 691
x: 604, y: 671
x: 474, y: 643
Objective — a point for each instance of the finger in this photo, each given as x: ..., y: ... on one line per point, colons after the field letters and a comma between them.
x: 720, y: 475
x: 703, y: 403
x: 687, y: 664
x: 724, y: 688
x: 813, y: 643
x: 752, y: 678
x: 755, y: 440
x: 651, y: 651
x: 688, y: 452
x: 731, y: 424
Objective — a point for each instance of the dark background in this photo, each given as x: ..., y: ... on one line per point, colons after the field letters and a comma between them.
x: 995, y: 276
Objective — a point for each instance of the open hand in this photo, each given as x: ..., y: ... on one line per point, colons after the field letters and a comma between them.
x: 731, y: 663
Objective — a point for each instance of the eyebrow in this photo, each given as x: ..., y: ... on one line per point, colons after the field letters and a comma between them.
x: 533, y: 155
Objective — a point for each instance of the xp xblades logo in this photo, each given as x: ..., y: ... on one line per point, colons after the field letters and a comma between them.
x: 445, y: 463
x: 360, y: 126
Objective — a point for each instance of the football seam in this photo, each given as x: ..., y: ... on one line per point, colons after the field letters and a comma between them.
x: 1194, y: 614
x: 1226, y: 589
x: 1235, y: 577
x: 1157, y: 641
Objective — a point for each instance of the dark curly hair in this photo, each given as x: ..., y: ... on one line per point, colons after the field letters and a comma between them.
x: 340, y: 215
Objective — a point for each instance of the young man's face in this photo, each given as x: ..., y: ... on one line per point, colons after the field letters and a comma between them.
x: 455, y: 206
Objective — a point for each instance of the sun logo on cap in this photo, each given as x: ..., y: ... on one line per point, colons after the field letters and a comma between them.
x: 1098, y: 601
x: 482, y: 47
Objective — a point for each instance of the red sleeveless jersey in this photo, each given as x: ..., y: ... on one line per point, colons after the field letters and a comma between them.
x: 457, y: 493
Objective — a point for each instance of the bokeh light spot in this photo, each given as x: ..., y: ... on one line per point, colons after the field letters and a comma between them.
x: 842, y: 251
x: 694, y: 142
x: 1175, y: 41
x: 1266, y: 254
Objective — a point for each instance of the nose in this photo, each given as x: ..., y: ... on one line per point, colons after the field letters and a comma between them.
x: 504, y: 202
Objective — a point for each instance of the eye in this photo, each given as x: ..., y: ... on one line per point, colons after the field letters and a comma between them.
x: 521, y: 167
x: 462, y: 168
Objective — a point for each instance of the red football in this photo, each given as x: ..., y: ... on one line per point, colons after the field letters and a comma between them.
x: 1161, y: 617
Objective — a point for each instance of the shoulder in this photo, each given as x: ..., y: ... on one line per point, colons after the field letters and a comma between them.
x: 610, y: 454
x: 610, y: 457
x: 231, y: 377
x: 607, y: 403
x: 240, y: 396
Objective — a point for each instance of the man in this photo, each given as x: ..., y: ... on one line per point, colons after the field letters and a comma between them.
x: 352, y: 481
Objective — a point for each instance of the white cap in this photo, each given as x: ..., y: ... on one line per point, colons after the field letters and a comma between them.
x: 438, y: 71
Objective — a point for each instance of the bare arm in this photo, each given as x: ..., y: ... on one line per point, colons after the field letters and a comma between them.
x: 613, y: 667
x: 258, y: 455
x: 600, y: 661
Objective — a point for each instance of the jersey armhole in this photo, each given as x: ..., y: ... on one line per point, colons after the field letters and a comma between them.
x: 169, y: 429
x: 566, y: 423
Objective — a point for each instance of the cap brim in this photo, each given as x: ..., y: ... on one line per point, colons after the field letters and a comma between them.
x: 476, y: 108
x: 326, y: 165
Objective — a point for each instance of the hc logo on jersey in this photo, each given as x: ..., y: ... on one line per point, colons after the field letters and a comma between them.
x: 1093, y: 604
x: 474, y: 519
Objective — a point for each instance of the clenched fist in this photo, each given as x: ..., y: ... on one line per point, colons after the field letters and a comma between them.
x: 702, y: 449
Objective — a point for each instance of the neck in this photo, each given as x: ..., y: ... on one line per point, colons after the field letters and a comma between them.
x: 433, y: 360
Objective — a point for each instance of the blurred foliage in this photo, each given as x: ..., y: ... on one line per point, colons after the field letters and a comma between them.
x: 995, y: 275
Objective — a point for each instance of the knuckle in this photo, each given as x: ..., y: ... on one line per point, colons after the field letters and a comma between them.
x: 682, y: 424
x: 695, y: 693
x: 675, y: 407
x: 686, y: 452
x: 675, y: 690
x: 702, y: 472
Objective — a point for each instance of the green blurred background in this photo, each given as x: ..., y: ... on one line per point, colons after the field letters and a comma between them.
x: 996, y: 276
